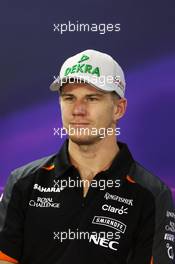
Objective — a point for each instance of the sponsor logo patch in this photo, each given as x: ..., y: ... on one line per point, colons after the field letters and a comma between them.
x: 170, y: 214
x: 117, y: 198
x: 109, y: 222
x: 82, y: 68
x: 54, y: 188
x: 169, y: 237
x: 170, y: 251
x: 44, y: 202
x: 103, y: 242
x: 170, y: 227
x: 112, y: 209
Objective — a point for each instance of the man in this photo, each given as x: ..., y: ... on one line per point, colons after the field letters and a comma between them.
x: 91, y: 202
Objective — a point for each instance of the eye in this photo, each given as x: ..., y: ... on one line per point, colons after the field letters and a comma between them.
x: 68, y: 98
x: 92, y: 99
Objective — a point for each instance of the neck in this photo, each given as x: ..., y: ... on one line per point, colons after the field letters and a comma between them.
x: 91, y: 159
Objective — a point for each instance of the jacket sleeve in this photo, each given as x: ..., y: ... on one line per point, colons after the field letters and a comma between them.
x: 142, y: 242
x: 164, y: 235
x: 11, y: 219
x: 154, y: 240
x: 5, y: 198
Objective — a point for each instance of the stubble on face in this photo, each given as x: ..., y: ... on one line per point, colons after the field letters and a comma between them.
x: 92, y: 109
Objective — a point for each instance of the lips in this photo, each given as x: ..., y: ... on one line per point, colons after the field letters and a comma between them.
x: 79, y: 124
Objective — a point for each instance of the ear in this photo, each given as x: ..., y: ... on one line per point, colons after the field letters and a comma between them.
x: 120, y: 108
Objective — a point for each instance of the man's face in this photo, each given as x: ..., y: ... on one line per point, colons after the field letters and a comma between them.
x: 86, y: 109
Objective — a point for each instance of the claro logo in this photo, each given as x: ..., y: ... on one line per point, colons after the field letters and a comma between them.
x: 103, y: 242
x: 112, y: 209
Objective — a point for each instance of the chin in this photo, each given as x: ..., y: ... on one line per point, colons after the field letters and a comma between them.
x: 84, y: 140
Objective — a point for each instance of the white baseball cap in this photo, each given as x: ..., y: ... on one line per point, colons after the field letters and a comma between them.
x: 96, y: 68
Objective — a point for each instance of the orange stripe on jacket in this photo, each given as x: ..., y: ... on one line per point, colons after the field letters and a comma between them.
x: 51, y: 167
x: 152, y: 262
x: 4, y: 257
x: 130, y: 179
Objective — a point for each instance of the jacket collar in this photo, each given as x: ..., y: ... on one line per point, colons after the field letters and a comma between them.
x: 119, y: 168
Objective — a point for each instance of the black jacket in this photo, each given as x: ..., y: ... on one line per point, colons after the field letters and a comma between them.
x: 127, y: 215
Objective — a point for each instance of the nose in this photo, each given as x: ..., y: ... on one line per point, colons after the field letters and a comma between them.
x: 79, y: 108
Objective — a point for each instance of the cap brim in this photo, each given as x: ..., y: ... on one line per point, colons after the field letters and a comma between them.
x: 58, y: 83
x: 55, y: 86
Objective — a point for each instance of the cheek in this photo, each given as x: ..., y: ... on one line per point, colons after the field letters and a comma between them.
x: 104, y: 115
x: 65, y: 117
x: 65, y: 112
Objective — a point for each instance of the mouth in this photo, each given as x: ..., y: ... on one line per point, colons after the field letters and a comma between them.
x: 79, y: 124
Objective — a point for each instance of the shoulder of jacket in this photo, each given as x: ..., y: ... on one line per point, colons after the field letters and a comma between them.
x: 147, y: 179
x: 14, y: 178
x: 30, y: 167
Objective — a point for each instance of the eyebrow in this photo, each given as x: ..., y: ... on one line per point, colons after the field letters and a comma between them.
x: 87, y: 95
